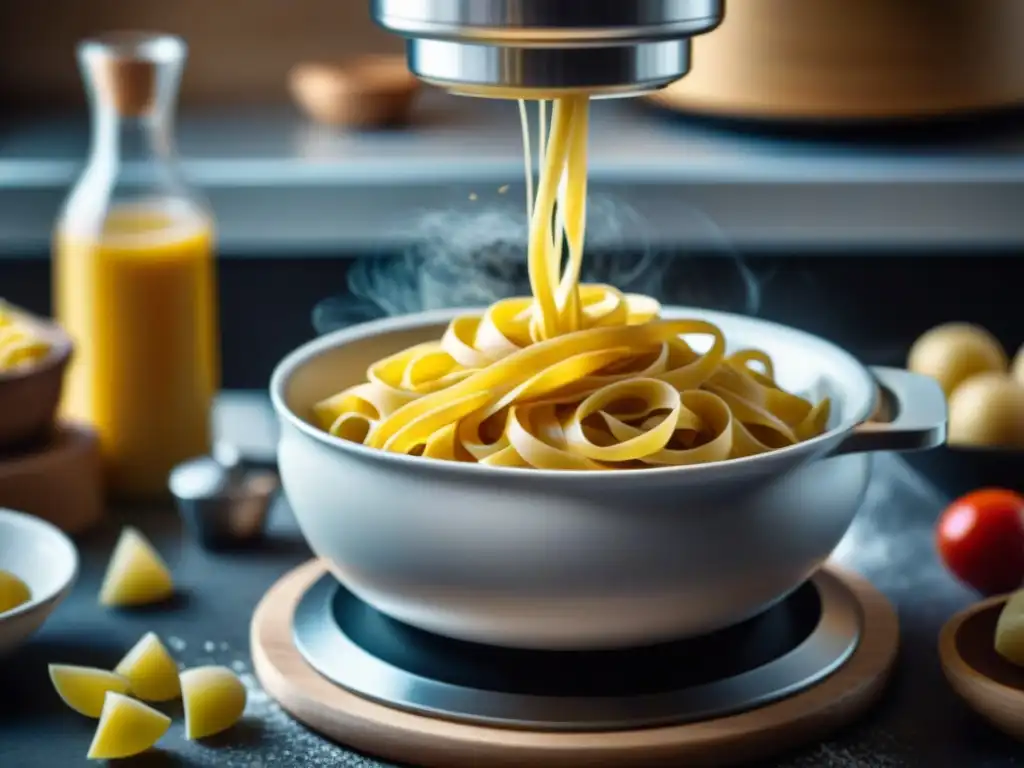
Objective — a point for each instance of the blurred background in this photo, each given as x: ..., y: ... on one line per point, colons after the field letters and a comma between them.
x: 853, y: 168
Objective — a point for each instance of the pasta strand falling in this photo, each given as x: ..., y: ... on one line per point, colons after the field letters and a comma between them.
x: 577, y: 377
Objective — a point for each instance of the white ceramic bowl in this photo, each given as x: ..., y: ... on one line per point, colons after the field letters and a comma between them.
x: 550, y: 559
x: 46, y: 560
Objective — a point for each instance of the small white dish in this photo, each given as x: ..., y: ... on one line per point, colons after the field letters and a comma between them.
x: 44, y: 558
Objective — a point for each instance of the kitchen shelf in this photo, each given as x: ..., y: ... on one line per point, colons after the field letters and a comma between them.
x: 279, y: 184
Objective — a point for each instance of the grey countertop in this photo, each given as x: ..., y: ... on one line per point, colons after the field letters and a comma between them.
x: 918, y: 723
x: 278, y: 182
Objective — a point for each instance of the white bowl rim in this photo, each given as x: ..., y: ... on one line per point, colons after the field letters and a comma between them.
x: 43, y: 528
x: 309, y: 351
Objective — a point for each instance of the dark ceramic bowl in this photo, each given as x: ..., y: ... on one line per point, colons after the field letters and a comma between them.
x: 30, y: 396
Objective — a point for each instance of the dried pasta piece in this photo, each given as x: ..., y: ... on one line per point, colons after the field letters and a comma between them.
x: 127, y: 727
x: 84, y: 689
x: 13, y: 592
x: 214, y: 700
x: 1009, y: 639
x: 150, y: 671
x: 136, y: 574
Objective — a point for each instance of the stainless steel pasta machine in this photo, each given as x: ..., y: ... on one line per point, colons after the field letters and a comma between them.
x: 539, y: 48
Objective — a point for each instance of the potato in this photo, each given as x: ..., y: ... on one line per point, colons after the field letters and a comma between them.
x: 954, y: 352
x: 987, y: 410
x: 1017, y: 369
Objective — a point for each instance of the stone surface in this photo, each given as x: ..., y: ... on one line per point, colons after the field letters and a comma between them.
x: 919, y: 723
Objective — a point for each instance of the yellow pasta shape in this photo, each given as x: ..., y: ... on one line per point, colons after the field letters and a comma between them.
x: 151, y: 673
x: 575, y: 377
x: 13, y: 592
x: 214, y: 700
x: 127, y: 727
x: 84, y: 689
x: 20, y: 343
x: 136, y: 574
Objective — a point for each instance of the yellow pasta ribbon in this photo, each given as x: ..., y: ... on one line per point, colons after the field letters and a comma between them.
x: 576, y: 377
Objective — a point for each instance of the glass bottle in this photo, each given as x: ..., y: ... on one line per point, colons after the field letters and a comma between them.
x: 134, y: 272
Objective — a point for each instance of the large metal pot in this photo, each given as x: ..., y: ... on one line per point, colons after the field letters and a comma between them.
x: 550, y: 559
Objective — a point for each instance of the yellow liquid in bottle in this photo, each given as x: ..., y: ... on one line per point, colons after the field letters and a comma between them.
x: 139, y: 300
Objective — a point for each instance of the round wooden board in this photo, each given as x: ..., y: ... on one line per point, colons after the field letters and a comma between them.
x: 404, y: 737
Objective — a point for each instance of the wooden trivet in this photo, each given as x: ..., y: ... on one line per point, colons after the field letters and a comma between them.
x: 60, y: 479
x: 414, y: 739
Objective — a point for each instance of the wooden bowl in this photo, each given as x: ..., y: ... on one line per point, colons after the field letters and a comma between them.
x: 364, y: 92
x: 854, y: 60
x: 29, y: 396
x: 990, y: 685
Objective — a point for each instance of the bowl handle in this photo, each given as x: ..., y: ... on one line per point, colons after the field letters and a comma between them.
x: 914, y: 411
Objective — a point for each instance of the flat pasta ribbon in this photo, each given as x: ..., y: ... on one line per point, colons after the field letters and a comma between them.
x: 576, y: 377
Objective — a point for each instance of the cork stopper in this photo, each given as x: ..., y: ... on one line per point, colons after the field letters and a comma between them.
x: 128, y: 70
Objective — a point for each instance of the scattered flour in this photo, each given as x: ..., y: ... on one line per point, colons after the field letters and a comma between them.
x: 270, y: 738
x: 176, y: 644
x: 832, y: 756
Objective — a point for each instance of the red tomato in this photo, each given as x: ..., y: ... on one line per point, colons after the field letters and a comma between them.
x: 980, y: 537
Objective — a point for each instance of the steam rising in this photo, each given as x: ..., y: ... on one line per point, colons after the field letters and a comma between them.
x: 475, y: 256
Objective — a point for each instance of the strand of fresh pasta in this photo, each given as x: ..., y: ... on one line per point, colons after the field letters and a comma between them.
x: 524, y: 119
x: 576, y: 377
x: 542, y: 262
